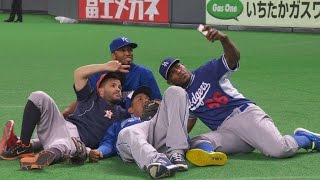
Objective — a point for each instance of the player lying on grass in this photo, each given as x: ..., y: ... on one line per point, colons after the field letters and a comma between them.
x: 150, y: 143
x: 157, y: 145
x: 122, y: 50
x: 61, y: 138
x: 238, y: 125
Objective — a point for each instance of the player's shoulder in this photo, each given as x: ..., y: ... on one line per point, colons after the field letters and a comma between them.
x: 141, y: 68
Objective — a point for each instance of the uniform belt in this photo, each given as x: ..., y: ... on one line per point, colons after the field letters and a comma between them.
x: 243, y: 107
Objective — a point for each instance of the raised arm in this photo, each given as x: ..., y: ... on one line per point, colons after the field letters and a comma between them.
x: 82, y: 74
x: 231, y: 51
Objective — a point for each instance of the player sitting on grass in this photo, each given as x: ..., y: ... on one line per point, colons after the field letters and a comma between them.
x: 61, y: 138
x: 238, y: 125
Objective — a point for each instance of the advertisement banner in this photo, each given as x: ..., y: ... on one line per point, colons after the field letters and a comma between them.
x: 125, y: 10
x: 278, y: 13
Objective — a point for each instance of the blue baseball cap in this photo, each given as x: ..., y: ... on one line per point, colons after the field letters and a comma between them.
x: 166, y: 65
x: 120, y: 42
x: 142, y: 89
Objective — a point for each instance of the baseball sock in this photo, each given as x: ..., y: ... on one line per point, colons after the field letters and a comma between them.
x: 206, y: 146
x: 56, y: 152
x: 31, y: 116
x: 303, y: 142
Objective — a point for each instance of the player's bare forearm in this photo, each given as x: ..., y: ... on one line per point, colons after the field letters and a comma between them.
x: 82, y: 74
x: 231, y: 52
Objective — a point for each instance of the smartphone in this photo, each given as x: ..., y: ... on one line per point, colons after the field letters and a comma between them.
x: 200, y: 28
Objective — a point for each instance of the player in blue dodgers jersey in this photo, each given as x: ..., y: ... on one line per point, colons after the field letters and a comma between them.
x: 121, y: 49
x: 238, y: 125
x: 96, y: 111
x: 150, y: 143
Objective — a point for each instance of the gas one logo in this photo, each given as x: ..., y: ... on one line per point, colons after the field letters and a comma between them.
x: 224, y: 9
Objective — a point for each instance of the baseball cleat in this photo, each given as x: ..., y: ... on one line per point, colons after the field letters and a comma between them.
x: 80, y: 155
x: 9, y: 138
x: 313, y: 137
x: 161, y: 167
x: 179, y: 160
x: 41, y: 160
x: 7, y: 129
x: 18, y: 150
x: 200, y: 157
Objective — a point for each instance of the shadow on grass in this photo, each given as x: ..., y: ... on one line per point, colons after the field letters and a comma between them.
x: 257, y: 156
x: 114, y: 167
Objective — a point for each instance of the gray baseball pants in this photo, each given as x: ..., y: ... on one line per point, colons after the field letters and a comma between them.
x: 53, y: 130
x: 242, y: 132
x: 165, y: 133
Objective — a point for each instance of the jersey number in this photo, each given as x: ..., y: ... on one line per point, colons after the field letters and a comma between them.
x: 217, y: 100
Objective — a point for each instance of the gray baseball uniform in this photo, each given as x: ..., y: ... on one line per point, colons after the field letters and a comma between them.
x: 165, y: 133
x: 238, y: 125
x: 53, y: 130
x: 91, y: 118
x: 246, y: 130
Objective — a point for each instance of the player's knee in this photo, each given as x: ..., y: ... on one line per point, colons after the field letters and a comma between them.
x: 175, y: 92
x: 38, y: 96
x: 279, y: 152
x: 194, y: 142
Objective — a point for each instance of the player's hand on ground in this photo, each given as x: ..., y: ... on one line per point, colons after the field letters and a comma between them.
x: 117, y: 66
x: 95, y: 155
x: 213, y: 34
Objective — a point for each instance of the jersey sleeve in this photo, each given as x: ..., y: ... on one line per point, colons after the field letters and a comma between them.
x: 107, y: 145
x: 150, y: 81
x: 86, y: 92
x: 217, y: 66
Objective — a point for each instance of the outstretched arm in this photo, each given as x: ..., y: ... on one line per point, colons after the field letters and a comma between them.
x: 231, y: 51
x: 82, y: 74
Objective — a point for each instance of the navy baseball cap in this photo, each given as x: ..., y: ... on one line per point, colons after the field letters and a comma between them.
x: 142, y: 89
x: 166, y: 65
x: 120, y: 42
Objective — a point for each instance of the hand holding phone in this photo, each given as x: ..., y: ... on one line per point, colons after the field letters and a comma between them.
x: 200, y: 29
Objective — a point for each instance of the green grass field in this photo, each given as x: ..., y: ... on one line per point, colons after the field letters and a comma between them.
x: 279, y: 71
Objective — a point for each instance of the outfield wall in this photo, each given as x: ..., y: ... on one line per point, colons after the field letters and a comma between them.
x: 67, y: 8
x: 27, y: 5
x: 187, y: 13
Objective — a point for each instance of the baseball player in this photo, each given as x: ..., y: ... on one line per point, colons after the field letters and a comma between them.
x: 150, y: 143
x: 121, y: 49
x: 159, y: 145
x: 238, y: 125
x: 60, y: 138
x: 107, y: 148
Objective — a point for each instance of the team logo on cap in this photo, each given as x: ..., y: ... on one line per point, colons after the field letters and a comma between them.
x: 165, y: 64
x: 124, y: 39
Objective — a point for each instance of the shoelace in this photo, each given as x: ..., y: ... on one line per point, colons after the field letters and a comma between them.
x: 17, y: 145
x: 177, y: 157
x: 13, y: 148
